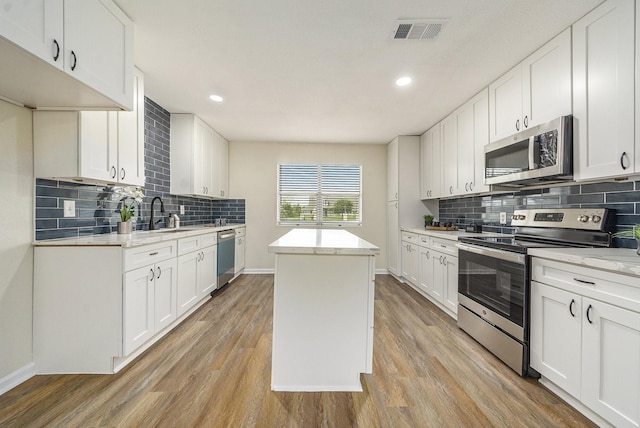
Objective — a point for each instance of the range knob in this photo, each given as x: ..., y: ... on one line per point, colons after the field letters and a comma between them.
x: 583, y: 218
x: 596, y: 218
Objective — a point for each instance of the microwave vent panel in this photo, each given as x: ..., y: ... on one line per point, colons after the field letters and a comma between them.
x: 418, y: 29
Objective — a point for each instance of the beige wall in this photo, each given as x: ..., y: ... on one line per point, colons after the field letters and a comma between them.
x: 253, y: 175
x: 16, y: 234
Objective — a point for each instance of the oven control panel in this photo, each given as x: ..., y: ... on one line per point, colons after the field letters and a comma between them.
x: 570, y: 218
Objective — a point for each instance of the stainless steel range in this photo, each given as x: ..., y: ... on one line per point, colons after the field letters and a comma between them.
x: 493, y: 275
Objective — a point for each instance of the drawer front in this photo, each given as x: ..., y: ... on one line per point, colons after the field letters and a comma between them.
x: 617, y: 289
x: 423, y: 241
x: 241, y: 231
x: 187, y: 245
x: 444, y: 246
x: 145, y: 255
x: 208, y: 240
x: 410, y: 237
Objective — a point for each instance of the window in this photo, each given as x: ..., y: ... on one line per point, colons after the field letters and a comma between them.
x: 319, y: 194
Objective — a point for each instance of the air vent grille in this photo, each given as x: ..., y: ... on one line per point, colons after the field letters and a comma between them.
x: 418, y: 29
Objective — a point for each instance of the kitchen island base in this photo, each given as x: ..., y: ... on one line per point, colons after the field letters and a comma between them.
x: 322, y: 320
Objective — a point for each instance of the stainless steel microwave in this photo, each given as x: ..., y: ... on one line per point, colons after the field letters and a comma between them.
x: 540, y: 154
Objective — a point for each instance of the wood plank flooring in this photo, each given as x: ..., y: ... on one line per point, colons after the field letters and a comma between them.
x: 214, y: 370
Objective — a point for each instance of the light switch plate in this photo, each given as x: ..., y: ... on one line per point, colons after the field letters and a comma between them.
x: 181, y: 209
x: 503, y: 218
x: 69, y: 208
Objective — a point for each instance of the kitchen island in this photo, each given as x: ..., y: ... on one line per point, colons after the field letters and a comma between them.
x: 322, y: 310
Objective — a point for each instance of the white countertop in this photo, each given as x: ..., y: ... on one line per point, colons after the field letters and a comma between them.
x: 322, y: 241
x: 620, y: 260
x: 136, y: 238
x: 447, y: 234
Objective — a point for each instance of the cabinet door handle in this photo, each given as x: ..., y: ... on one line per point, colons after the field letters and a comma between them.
x: 123, y: 173
x: 526, y: 121
x: 444, y: 260
x: 584, y: 282
x: 159, y: 273
x: 471, y: 186
x: 75, y: 60
x: 622, y: 158
x: 56, y: 55
x: 113, y: 172
x: 451, y: 189
x: 588, y: 318
x: 440, y: 259
x: 153, y: 274
x: 427, y: 254
x: 396, y: 205
x: 517, y: 124
x: 396, y: 195
x: 202, y: 255
x: 466, y: 187
x: 573, y: 301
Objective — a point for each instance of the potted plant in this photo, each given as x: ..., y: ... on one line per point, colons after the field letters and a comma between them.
x: 634, y: 232
x: 127, y: 210
x: 428, y: 220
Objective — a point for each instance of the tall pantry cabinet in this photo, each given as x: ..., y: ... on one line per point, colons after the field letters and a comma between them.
x: 404, y: 207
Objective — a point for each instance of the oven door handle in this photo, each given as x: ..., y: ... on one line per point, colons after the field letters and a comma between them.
x: 491, y: 252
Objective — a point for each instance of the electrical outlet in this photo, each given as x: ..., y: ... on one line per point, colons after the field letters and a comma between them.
x: 181, y: 209
x: 69, y: 208
x: 503, y: 218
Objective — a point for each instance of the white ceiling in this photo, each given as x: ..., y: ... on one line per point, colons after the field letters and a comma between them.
x: 324, y: 70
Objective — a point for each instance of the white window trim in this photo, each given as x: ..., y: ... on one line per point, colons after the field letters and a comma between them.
x: 319, y: 223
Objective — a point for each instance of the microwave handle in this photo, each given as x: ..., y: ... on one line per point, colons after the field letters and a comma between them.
x: 532, y: 166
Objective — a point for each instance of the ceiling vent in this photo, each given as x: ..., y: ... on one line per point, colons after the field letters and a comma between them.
x: 418, y: 29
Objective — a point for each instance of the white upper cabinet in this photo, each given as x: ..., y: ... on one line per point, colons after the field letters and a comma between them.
x: 392, y: 170
x: 535, y: 91
x: 199, y: 158
x: 92, y: 146
x: 464, y: 135
x: 448, y: 129
x: 220, y: 178
x: 430, y: 163
x: 91, y: 41
x: 603, y: 92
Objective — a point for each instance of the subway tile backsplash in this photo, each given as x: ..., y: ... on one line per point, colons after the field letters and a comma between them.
x: 97, y: 208
x: 623, y: 197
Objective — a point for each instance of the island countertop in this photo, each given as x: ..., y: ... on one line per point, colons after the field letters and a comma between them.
x: 322, y: 241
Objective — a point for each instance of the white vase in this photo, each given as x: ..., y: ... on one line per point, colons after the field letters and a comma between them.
x: 124, y: 227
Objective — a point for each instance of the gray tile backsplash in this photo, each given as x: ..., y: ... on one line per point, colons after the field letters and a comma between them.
x: 623, y: 197
x: 97, y: 210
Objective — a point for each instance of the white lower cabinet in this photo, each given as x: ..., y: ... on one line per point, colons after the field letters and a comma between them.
x: 410, y: 257
x: 197, y: 262
x: 96, y: 308
x: 585, y: 337
x: 149, y: 302
x: 434, y: 263
x: 240, y: 249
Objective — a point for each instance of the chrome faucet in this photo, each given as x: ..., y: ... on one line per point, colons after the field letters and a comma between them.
x: 152, y: 224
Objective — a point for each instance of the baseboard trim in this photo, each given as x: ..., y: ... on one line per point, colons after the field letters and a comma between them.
x: 14, y: 379
x: 273, y: 271
x: 259, y: 271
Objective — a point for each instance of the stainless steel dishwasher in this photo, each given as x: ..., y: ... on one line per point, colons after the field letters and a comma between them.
x: 226, y: 256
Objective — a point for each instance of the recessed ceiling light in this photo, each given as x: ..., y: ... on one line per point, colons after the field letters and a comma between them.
x: 403, y: 81
x: 216, y: 98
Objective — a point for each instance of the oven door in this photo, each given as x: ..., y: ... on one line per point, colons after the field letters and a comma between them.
x: 492, y: 284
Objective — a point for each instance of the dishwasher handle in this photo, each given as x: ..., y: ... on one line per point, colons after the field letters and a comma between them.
x: 226, y: 235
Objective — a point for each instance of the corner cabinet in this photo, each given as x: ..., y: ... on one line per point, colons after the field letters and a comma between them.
x: 90, y: 41
x: 107, y: 304
x: 603, y: 92
x: 199, y: 158
x: 535, y: 91
x: 92, y: 146
x: 585, y: 337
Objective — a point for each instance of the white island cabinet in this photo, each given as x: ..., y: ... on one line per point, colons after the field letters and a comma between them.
x: 322, y: 310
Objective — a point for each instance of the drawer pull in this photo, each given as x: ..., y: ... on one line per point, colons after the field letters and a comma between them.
x: 571, y: 307
x: 155, y: 253
x: 584, y: 282
x: 589, y: 310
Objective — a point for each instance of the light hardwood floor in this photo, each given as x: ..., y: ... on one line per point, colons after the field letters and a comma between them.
x: 214, y: 371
